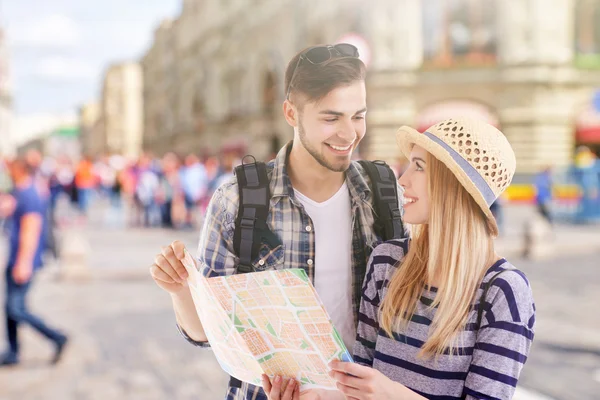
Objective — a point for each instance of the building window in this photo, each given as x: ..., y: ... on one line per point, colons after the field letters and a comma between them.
x: 234, y: 94
x: 199, y: 110
x: 459, y: 32
x: 587, y: 33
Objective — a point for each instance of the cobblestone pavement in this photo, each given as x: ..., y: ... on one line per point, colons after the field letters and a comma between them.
x: 564, y: 361
x: 125, y: 345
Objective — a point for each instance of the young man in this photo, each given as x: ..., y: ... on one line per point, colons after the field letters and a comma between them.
x: 27, y: 242
x: 321, y: 205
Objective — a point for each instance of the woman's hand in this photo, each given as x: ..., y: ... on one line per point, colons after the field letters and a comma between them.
x: 358, y: 382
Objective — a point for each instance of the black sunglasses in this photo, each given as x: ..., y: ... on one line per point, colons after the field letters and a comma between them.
x: 320, y: 54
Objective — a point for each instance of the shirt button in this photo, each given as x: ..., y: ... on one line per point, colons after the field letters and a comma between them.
x: 308, y: 228
x: 261, y: 262
x: 309, y: 262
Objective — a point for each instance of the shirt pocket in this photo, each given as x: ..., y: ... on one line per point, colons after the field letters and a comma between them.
x: 269, y: 259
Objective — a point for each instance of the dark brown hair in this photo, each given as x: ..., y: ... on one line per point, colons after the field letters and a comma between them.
x: 315, y: 81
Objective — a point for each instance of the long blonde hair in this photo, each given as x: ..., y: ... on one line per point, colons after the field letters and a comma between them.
x: 454, y: 249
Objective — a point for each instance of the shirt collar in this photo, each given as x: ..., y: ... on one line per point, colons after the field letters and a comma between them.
x: 281, y: 186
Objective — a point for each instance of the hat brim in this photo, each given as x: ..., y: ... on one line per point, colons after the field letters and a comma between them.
x: 408, y: 137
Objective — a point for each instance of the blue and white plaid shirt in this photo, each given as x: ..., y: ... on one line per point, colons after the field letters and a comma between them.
x: 290, y: 222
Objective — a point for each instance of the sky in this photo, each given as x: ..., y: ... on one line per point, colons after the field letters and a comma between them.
x: 60, y: 49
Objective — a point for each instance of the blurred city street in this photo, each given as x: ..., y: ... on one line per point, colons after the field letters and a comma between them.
x: 125, y: 344
x: 124, y: 341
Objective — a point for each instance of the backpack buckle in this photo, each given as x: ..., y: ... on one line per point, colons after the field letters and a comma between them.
x: 244, y: 269
x: 247, y: 222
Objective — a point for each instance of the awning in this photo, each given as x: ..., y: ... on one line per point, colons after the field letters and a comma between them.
x: 452, y: 109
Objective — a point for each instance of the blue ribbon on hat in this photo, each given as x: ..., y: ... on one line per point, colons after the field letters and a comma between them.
x: 468, y: 169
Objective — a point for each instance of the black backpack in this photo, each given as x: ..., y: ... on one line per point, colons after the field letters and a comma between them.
x: 254, y: 201
x: 251, y: 227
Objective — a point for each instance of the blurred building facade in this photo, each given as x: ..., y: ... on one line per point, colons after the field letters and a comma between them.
x: 160, y: 88
x: 59, y: 140
x: 120, y: 124
x: 32, y: 130
x: 214, y: 76
x: 64, y: 141
x: 91, y: 129
x: 6, y: 143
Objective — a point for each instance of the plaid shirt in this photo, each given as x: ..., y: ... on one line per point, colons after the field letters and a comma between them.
x: 290, y: 222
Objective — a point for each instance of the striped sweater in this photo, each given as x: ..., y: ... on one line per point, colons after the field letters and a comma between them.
x: 489, y: 364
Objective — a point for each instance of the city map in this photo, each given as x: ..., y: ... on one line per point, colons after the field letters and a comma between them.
x: 270, y: 322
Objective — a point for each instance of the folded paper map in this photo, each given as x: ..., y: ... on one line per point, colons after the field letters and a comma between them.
x: 270, y: 322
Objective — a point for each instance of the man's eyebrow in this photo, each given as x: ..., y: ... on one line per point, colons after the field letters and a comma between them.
x: 341, y: 114
x: 331, y: 112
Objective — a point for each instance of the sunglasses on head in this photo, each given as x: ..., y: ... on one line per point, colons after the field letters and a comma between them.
x: 320, y: 54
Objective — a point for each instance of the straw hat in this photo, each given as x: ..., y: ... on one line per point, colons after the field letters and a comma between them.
x: 477, y: 153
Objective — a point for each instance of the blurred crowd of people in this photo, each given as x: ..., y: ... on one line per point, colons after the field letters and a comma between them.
x: 170, y: 192
x: 584, y: 174
x: 174, y: 191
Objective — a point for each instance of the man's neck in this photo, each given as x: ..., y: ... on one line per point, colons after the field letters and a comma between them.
x: 311, y: 178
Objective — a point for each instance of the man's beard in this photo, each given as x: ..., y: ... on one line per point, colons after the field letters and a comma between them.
x: 316, y: 155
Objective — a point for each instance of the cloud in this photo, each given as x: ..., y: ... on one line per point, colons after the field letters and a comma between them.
x: 55, y: 31
x: 65, y: 69
x: 59, y: 49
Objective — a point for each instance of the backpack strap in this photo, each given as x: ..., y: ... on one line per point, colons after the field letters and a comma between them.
x: 487, y: 287
x: 251, y: 222
x: 235, y: 382
x: 388, y: 223
x: 254, y: 197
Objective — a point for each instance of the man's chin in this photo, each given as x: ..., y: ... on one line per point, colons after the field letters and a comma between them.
x: 339, y: 166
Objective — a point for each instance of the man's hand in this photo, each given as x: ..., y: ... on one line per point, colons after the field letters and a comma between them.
x: 21, y: 273
x: 280, y: 388
x: 168, y: 271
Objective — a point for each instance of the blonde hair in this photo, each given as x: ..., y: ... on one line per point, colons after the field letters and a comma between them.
x: 454, y: 249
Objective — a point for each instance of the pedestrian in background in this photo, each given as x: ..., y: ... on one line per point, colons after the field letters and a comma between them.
x: 85, y: 182
x: 543, y: 193
x: 27, y: 242
x: 194, y: 181
x: 146, y: 191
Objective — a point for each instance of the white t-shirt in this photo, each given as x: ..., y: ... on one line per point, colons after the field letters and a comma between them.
x: 332, y: 222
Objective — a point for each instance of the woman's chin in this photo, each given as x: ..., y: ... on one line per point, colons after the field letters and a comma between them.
x: 409, y: 219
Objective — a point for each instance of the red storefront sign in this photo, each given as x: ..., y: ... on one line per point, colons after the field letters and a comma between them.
x: 587, y: 126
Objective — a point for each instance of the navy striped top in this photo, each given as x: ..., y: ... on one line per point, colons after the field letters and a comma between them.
x: 490, y: 361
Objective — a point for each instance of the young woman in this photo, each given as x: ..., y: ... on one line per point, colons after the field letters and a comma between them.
x: 442, y: 317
